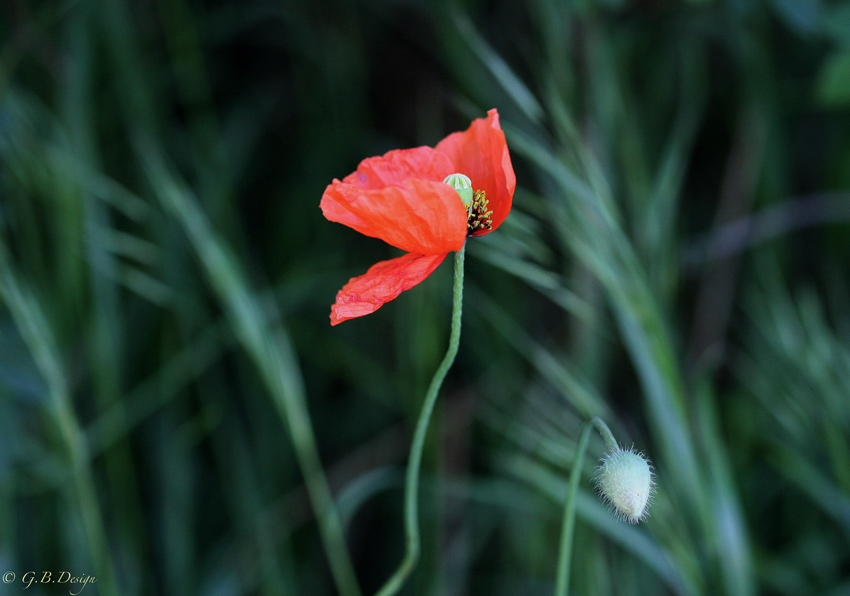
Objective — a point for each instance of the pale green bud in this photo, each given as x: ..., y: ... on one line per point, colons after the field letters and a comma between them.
x: 463, y: 186
x: 625, y: 481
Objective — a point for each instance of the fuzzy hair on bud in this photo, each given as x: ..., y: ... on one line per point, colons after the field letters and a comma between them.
x: 625, y: 482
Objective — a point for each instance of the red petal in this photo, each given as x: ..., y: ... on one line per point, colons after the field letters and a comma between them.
x: 420, y: 216
x: 481, y: 153
x: 383, y: 281
x: 397, y: 166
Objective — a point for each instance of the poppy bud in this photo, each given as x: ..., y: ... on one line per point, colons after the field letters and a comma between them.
x: 463, y: 185
x: 625, y: 482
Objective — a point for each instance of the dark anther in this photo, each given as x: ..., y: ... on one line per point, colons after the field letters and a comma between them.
x: 479, y: 217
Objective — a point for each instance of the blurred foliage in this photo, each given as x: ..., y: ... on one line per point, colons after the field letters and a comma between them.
x: 676, y: 262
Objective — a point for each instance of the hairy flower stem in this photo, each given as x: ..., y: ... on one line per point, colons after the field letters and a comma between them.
x: 569, y: 518
x: 411, y: 485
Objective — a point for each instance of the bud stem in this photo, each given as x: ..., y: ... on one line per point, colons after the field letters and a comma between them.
x: 568, y: 523
x: 607, y: 436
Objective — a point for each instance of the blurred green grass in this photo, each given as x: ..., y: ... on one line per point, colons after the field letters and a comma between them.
x: 676, y: 263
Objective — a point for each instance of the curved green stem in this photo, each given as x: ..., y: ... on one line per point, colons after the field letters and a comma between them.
x: 411, y: 490
x: 568, y: 524
x: 607, y: 436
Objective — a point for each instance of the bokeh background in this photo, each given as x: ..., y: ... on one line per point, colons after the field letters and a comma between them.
x: 676, y: 262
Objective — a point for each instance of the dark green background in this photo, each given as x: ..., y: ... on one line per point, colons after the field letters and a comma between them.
x: 676, y: 262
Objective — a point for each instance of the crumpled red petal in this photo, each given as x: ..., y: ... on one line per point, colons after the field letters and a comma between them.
x: 420, y: 216
x: 394, y: 167
x: 383, y: 282
x: 481, y: 152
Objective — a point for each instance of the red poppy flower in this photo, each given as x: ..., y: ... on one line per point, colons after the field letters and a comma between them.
x: 400, y: 197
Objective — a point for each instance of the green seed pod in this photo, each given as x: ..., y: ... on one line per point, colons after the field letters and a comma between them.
x: 463, y: 185
x: 625, y: 482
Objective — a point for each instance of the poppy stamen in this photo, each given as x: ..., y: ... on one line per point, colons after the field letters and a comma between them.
x: 479, y: 217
